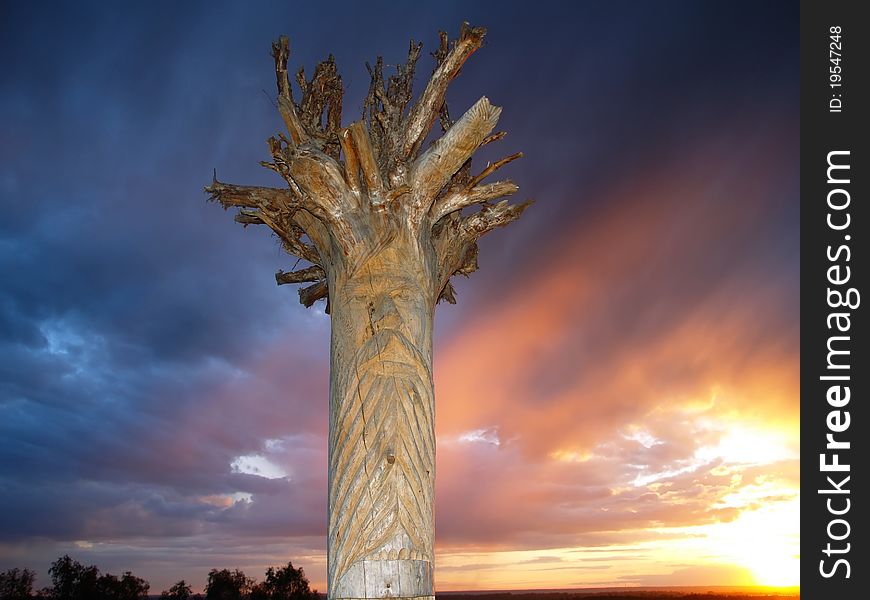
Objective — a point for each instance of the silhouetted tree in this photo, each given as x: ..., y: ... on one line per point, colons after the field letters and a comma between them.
x: 128, y: 587
x: 70, y: 580
x: 133, y: 588
x: 16, y: 584
x: 108, y: 587
x: 73, y: 581
x: 179, y: 591
x: 286, y: 583
x: 227, y: 585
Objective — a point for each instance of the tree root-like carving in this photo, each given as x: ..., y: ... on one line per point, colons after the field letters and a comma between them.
x: 342, y: 181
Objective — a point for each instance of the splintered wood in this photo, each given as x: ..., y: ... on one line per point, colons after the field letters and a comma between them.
x: 379, y: 218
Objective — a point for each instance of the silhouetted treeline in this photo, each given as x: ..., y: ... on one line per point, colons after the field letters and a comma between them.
x: 627, y: 594
x: 71, y: 580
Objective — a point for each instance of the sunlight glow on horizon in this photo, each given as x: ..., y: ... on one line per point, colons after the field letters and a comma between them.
x: 757, y: 545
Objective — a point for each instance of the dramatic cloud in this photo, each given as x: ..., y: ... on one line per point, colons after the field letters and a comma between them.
x: 617, y: 389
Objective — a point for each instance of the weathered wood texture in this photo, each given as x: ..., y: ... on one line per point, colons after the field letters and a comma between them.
x: 380, y: 221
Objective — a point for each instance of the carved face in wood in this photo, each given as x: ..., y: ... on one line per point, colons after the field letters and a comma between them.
x: 386, y: 304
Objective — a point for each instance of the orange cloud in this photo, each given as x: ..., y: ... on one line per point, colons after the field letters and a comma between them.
x: 606, y: 398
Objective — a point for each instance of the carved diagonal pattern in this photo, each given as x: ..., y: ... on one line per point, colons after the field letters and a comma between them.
x: 382, y: 463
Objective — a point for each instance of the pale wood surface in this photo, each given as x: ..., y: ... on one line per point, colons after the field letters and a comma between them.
x: 380, y: 221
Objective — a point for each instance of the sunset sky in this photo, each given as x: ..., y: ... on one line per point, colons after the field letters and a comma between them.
x: 617, y: 389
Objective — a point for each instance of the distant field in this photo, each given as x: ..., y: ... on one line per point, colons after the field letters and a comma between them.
x: 692, y: 593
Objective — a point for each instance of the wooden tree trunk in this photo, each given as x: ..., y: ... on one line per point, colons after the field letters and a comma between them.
x: 381, y: 429
x: 380, y: 220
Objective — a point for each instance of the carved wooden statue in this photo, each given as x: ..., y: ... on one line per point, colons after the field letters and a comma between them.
x: 379, y: 217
